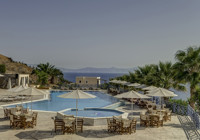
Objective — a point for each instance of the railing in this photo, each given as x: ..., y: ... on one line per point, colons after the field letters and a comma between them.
x: 194, y: 116
x: 185, y: 110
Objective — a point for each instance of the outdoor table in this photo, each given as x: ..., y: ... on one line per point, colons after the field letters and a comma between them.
x: 161, y: 110
x: 161, y: 116
x: 28, y: 119
x: 27, y: 115
x: 126, y: 122
x: 17, y: 113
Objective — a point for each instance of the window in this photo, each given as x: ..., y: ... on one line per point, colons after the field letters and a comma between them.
x: 86, y: 82
x: 80, y: 81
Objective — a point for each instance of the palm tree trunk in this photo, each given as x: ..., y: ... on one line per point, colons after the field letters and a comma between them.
x: 52, y: 79
x: 192, y: 102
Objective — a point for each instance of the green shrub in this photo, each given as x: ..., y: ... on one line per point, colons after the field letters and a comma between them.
x: 2, y: 68
x: 104, y: 86
x: 179, y: 101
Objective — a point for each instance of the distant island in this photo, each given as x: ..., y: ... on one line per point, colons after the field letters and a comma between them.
x: 98, y: 70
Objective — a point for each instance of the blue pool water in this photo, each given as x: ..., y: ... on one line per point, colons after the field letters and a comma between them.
x: 57, y: 104
x: 94, y: 113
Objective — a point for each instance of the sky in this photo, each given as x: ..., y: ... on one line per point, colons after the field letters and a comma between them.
x: 97, y: 33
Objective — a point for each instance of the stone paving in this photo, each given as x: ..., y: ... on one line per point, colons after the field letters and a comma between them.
x: 172, y: 130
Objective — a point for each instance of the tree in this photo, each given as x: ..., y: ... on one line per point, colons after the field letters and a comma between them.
x: 123, y: 77
x: 187, y: 69
x: 47, y: 68
x: 42, y: 77
x: 132, y: 77
x: 50, y: 72
x: 146, y: 75
x: 56, y: 73
x: 161, y: 75
x: 166, y: 75
x: 2, y: 68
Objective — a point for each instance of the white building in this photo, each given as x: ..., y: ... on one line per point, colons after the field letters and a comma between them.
x: 88, y: 81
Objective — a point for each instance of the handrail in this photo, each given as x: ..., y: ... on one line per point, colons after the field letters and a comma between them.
x: 194, y: 116
x: 185, y: 110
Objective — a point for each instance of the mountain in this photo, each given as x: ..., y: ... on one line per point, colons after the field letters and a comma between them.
x: 98, y: 70
x: 93, y: 70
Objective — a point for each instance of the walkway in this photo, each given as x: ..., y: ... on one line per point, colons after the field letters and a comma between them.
x: 188, y: 126
x: 172, y: 130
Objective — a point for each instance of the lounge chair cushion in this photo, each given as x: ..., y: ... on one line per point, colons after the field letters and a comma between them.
x: 68, y: 116
x: 117, y: 117
x: 60, y: 116
x: 125, y: 115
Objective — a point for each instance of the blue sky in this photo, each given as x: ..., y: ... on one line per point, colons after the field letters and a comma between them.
x: 97, y: 33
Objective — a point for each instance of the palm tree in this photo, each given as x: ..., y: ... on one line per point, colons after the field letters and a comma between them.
x: 42, y: 77
x: 123, y: 77
x: 160, y: 75
x: 50, y: 72
x: 132, y: 77
x: 145, y: 75
x: 47, y: 68
x: 188, y: 69
x: 55, y: 73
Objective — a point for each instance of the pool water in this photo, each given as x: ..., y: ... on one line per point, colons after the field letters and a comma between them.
x: 57, y: 104
x: 94, y: 113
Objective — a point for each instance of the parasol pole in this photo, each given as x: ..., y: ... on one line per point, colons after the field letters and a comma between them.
x: 132, y: 105
x: 76, y: 112
x: 21, y: 102
x: 31, y: 103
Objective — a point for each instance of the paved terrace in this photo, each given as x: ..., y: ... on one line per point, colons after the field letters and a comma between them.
x: 179, y: 128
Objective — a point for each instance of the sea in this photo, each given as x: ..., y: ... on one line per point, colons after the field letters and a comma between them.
x: 106, y: 76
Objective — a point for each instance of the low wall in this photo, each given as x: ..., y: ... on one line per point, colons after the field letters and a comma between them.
x: 113, y: 106
x: 94, y: 121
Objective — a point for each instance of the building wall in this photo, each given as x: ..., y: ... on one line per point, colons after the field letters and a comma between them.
x: 88, y: 81
x: 16, y: 80
x: 23, y: 79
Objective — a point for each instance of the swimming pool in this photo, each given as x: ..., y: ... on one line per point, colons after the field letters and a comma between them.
x: 94, y: 112
x: 57, y: 104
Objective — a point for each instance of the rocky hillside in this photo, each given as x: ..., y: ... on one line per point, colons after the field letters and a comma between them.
x: 13, y: 67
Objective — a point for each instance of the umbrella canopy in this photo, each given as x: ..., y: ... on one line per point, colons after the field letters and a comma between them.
x: 149, y: 88
x: 133, y: 85
x: 31, y: 92
x: 77, y: 94
x: 114, y: 81
x: 119, y: 82
x: 18, y: 88
x: 161, y: 92
x: 123, y: 82
x: 140, y: 86
x: 132, y: 94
